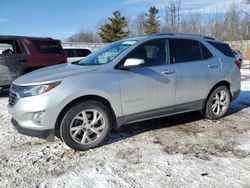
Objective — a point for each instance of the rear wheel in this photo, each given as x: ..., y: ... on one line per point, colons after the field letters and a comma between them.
x: 85, y: 125
x: 218, y: 103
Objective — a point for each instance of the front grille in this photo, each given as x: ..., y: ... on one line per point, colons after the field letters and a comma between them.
x: 12, y: 98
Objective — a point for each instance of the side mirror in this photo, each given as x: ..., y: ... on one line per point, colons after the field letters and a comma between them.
x: 132, y: 63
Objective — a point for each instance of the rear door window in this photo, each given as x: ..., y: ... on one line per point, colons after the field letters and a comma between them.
x: 48, y: 47
x: 185, y: 50
x: 223, y: 48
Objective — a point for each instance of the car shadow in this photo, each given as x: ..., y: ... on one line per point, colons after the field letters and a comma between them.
x: 134, y: 129
x: 241, y: 103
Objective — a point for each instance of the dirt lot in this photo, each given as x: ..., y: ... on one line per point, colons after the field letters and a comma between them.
x: 179, y: 151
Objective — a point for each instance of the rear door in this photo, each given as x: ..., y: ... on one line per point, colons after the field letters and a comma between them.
x: 226, y: 56
x: 193, y: 61
x: 148, y: 91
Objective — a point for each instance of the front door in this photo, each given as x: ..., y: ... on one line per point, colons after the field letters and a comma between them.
x: 148, y: 91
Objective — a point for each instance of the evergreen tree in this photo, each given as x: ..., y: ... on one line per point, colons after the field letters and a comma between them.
x: 115, y: 30
x: 151, y: 23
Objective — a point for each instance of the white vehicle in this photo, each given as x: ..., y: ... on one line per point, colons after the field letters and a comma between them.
x: 75, y: 54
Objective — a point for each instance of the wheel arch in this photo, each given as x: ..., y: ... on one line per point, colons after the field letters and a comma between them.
x: 218, y: 84
x: 97, y: 98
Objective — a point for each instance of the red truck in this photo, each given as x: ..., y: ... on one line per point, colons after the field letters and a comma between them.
x: 20, y: 55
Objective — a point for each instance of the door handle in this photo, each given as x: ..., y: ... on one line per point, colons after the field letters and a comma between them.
x: 212, y: 65
x: 168, y: 72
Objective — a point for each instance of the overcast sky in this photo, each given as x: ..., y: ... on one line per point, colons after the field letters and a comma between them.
x: 62, y: 18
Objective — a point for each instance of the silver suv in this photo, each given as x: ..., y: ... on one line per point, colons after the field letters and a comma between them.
x: 127, y: 81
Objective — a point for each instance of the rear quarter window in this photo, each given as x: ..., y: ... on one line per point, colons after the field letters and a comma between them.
x: 223, y: 48
x: 48, y: 47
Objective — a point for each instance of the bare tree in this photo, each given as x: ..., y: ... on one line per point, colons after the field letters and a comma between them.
x: 172, y: 16
x: 193, y: 24
x: 84, y: 36
x: 245, y: 27
x: 231, y: 26
x: 139, y: 26
x: 246, y: 23
x: 232, y: 23
x: 216, y: 28
x: 136, y: 24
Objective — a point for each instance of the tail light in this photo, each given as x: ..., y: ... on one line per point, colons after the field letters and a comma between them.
x: 238, y: 64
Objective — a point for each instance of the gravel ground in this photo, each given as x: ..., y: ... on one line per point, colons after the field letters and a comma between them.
x: 178, y: 151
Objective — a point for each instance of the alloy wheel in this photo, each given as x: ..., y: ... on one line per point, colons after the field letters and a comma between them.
x: 87, y: 126
x: 220, y: 102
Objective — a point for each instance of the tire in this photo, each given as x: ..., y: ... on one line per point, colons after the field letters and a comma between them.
x: 218, y: 103
x: 85, y: 125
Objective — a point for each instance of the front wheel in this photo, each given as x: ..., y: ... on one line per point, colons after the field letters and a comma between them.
x: 218, y: 103
x: 85, y: 125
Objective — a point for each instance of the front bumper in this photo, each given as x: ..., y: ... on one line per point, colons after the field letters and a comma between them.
x: 44, y: 134
x: 22, y: 111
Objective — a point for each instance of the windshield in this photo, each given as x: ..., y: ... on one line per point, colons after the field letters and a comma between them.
x: 107, y: 54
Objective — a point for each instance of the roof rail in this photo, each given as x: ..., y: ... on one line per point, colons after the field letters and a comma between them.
x: 21, y: 37
x: 183, y: 34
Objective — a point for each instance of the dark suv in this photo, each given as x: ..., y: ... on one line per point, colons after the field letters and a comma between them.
x: 20, y: 55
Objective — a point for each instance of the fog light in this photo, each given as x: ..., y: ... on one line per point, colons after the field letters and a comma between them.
x: 38, y: 117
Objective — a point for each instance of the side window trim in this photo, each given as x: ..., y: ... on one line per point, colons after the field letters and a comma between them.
x: 168, y: 54
x: 204, y: 59
x: 22, y: 48
x: 17, y: 47
x: 172, y: 55
x: 202, y: 55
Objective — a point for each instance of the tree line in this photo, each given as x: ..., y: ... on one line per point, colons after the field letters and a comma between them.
x: 233, y: 24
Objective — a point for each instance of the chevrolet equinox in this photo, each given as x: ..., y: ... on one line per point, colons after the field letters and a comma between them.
x: 127, y: 81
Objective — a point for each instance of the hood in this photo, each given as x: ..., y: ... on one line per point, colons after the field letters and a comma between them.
x: 52, y: 73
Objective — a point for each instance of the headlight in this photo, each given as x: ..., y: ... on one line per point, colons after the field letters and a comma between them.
x: 28, y: 91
